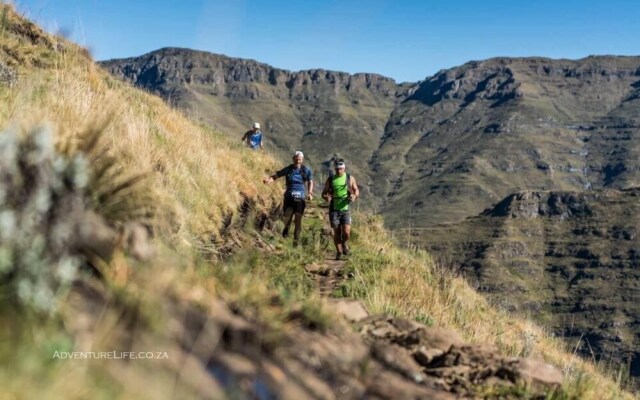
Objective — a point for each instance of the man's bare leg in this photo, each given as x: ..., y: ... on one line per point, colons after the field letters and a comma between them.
x: 337, y: 238
x: 346, y: 234
x: 298, y: 229
x: 286, y: 218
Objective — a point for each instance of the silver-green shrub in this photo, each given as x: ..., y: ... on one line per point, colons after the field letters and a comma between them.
x: 41, y: 206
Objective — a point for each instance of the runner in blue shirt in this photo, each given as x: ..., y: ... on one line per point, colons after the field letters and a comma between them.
x: 294, y: 197
x: 253, y: 137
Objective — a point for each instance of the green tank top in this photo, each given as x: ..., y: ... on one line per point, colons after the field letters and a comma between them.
x: 340, y: 193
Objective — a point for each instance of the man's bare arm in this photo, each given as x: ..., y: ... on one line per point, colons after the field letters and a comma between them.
x: 326, y: 190
x: 275, y: 176
x: 355, y: 192
x: 310, y: 187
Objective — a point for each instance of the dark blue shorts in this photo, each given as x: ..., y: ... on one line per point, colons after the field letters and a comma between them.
x: 338, y: 218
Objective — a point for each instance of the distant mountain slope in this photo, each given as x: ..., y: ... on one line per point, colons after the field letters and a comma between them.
x: 436, y: 151
x: 321, y: 112
x: 571, y: 260
x: 471, y: 135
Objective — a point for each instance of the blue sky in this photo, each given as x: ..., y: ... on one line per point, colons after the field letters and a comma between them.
x: 405, y: 40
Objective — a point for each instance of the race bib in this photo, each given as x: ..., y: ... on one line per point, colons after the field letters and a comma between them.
x: 297, y: 195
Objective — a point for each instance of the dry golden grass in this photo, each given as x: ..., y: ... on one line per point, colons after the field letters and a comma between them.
x: 198, y: 176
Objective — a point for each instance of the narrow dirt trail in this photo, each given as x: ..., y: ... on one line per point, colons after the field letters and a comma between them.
x: 327, y: 274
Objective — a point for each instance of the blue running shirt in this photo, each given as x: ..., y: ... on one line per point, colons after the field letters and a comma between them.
x: 255, y: 139
x: 295, y: 180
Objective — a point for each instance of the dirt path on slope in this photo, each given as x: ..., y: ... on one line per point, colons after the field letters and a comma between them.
x: 327, y: 274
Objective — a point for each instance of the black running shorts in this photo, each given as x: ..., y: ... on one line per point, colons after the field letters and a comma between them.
x: 298, y: 205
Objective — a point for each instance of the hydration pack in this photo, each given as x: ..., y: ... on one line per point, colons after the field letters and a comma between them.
x: 304, y: 171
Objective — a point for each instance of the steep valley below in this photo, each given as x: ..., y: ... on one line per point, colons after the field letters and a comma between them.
x: 570, y: 260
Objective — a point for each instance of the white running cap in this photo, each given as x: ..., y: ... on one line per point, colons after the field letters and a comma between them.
x: 256, y: 125
x: 298, y: 153
x: 341, y: 165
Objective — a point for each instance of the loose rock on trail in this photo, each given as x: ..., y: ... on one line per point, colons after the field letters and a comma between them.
x: 327, y: 274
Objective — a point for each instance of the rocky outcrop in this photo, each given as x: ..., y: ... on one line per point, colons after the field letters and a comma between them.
x: 560, y: 205
x: 224, y: 75
x: 439, y: 358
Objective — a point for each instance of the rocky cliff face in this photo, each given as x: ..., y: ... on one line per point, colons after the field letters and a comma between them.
x: 569, y: 259
x: 182, y: 66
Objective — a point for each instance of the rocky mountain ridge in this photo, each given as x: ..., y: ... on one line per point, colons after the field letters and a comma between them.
x: 184, y: 66
x: 434, y: 151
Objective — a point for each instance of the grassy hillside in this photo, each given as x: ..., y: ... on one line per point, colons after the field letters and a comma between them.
x: 197, y: 177
x: 200, y: 197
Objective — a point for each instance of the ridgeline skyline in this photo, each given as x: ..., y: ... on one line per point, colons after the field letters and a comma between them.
x: 406, y: 41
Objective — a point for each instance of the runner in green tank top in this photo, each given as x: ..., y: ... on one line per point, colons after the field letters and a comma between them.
x: 340, y: 190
